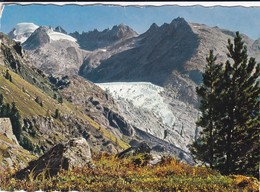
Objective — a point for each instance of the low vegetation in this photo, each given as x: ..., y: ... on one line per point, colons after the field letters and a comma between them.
x: 108, y: 173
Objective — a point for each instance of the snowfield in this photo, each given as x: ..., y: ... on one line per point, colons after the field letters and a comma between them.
x: 143, y: 95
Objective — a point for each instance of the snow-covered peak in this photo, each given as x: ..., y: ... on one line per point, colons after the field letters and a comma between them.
x: 22, y: 28
x: 23, y: 31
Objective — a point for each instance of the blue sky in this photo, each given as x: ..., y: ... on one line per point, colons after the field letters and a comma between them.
x: 84, y: 18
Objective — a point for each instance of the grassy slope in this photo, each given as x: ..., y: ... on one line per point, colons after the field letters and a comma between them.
x: 23, y: 94
x: 112, y: 174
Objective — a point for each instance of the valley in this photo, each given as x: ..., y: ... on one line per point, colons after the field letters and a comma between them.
x: 130, y: 99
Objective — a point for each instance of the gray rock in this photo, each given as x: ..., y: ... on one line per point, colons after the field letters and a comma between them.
x: 6, y: 129
x: 74, y: 153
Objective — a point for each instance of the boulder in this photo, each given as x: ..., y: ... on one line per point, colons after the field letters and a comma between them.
x: 74, y: 153
x: 142, y: 148
x: 7, y: 130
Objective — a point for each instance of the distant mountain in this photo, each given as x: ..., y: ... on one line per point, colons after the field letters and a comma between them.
x: 172, y: 55
x: 98, y: 39
x: 52, y: 51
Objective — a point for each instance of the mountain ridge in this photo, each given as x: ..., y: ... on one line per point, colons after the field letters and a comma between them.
x: 99, y: 39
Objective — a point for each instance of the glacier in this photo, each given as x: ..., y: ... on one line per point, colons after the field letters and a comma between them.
x: 144, y: 95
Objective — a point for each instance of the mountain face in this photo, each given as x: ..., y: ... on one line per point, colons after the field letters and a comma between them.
x: 99, y: 39
x: 156, y: 54
x: 153, y: 110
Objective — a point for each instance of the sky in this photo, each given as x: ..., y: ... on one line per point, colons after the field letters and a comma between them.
x: 85, y: 18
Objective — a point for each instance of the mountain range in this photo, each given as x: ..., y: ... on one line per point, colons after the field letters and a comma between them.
x: 118, y: 87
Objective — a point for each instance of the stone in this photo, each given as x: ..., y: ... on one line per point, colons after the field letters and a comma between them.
x: 74, y: 153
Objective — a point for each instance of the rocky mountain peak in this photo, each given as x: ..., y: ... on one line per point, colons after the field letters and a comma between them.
x: 123, y: 31
x: 38, y: 38
x: 178, y: 20
x: 152, y: 28
x: 60, y: 30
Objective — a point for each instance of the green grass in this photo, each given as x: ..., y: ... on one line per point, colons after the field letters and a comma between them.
x: 112, y: 174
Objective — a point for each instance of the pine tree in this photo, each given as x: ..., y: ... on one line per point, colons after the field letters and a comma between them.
x: 208, y: 93
x: 241, y: 101
x: 60, y: 99
x: 230, y: 113
x: 57, y: 114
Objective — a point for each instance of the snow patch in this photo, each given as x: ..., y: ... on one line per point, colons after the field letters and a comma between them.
x: 143, y: 95
x: 55, y: 36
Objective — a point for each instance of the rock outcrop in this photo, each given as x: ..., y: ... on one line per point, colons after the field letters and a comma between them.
x: 74, y: 153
